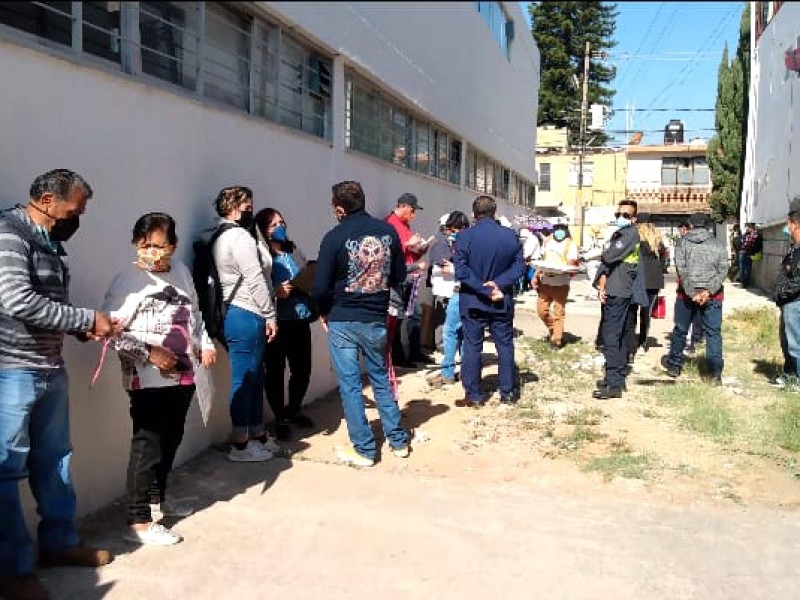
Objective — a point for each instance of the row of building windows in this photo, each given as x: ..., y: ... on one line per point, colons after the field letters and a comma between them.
x: 253, y: 65
x: 501, y: 27
x: 205, y: 47
x: 382, y: 128
x: 487, y: 176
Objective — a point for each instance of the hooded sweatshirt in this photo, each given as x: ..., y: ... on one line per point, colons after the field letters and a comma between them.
x: 702, y: 263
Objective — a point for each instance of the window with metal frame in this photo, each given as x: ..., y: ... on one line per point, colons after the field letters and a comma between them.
x: 48, y: 21
x: 544, y: 177
x: 215, y: 50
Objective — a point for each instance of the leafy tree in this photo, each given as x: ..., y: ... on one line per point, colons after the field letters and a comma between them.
x: 726, y: 149
x: 561, y: 30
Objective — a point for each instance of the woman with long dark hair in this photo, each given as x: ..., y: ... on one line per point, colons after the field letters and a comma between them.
x: 292, y: 345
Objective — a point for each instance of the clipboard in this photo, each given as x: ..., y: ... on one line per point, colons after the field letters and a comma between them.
x: 305, y: 279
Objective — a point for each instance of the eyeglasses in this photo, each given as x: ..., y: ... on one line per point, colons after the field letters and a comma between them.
x: 146, y: 246
x: 617, y: 215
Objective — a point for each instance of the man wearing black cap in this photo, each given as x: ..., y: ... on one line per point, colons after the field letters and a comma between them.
x: 414, y: 248
x: 701, y: 261
x: 786, y: 294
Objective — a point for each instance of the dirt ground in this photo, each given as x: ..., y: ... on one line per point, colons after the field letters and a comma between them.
x: 558, y: 429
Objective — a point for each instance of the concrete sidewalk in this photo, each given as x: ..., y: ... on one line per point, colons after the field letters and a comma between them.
x: 320, y: 531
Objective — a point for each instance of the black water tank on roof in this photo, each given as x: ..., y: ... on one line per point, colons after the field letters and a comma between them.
x: 673, y: 132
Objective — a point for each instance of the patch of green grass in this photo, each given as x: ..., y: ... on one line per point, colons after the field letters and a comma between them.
x: 701, y: 410
x: 622, y: 462
x: 757, y: 325
x: 578, y: 437
x: 585, y: 416
x: 785, y: 421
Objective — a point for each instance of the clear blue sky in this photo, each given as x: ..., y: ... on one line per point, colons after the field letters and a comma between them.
x: 667, y: 56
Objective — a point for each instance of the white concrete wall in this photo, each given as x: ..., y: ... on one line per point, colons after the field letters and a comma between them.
x: 461, y: 80
x: 772, y: 177
x: 143, y: 148
x: 643, y: 173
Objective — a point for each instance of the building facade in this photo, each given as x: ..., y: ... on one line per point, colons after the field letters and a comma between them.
x: 771, y: 176
x: 161, y: 104
x: 669, y: 181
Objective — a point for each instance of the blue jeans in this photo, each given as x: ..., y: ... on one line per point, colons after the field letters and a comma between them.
x: 451, y: 337
x: 245, y: 334
x: 745, y: 268
x: 346, y: 341
x: 790, y: 337
x: 474, y: 322
x: 711, y: 314
x: 34, y: 443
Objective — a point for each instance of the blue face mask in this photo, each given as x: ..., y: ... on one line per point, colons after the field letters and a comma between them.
x: 451, y: 237
x: 786, y: 231
x: 279, y: 234
x: 622, y: 222
x: 559, y: 235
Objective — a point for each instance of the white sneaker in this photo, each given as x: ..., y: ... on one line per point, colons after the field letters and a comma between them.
x: 171, y: 508
x: 351, y: 457
x: 271, y: 445
x: 402, y: 451
x: 253, y: 452
x: 155, y: 535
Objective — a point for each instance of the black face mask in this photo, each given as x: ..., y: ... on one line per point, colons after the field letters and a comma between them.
x: 246, y: 219
x: 64, y: 228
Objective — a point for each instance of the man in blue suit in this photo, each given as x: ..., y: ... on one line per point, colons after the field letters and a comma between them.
x: 488, y: 261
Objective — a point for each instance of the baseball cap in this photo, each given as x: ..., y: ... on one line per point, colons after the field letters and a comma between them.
x: 409, y: 199
x: 794, y: 206
x: 443, y: 219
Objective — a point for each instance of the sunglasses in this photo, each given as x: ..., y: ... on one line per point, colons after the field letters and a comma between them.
x: 617, y: 215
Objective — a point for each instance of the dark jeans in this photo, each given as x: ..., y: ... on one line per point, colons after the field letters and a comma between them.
x: 745, y: 268
x: 501, y: 325
x: 711, y: 315
x: 245, y: 333
x: 641, y: 315
x: 697, y: 329
x: 158, y: 415
x: 292, y: 345
x: 615, y: 317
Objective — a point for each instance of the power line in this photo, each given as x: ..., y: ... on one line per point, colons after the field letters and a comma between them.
x: 644, y: 38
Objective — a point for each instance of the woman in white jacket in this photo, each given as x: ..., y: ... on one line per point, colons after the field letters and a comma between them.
x: 162, y: 344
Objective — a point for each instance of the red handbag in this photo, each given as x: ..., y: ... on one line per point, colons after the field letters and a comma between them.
x: 659, y: 310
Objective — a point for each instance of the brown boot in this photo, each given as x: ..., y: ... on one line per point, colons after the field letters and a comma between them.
x: 79, y: 556
x: 24, y: 587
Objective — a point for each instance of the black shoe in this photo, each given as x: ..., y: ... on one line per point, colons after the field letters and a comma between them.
x: 283, y: 431
x: 511, y: 398
x: 605, y: 393
x: 602, y: 383
x: 672, y: 371
x: 425, y: 359
x: 713, y: 380
x: 301, y: 421
x: 555, y: 346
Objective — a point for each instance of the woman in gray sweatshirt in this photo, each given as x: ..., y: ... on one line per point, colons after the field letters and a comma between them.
x: 244, y: 269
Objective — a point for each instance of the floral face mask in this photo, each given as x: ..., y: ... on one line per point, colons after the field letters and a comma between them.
x: 154, y: 259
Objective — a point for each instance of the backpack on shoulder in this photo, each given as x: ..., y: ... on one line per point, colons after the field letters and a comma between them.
x: 207, y: 285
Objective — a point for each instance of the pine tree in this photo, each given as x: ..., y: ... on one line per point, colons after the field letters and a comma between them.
x: 726, y: 149
x: 561, y: 30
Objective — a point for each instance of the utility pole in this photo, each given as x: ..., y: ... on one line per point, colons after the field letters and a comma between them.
x: 582, y: 138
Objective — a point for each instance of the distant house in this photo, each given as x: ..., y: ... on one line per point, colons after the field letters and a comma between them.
x: 772, y: 163
x: 669, y: 181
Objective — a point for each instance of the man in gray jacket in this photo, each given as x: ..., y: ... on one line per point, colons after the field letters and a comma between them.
x: 616, y: 279
x: 701, y: 261
x: 35, y: 313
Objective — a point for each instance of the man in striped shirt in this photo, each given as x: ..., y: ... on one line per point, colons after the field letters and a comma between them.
x: 35, y: 313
